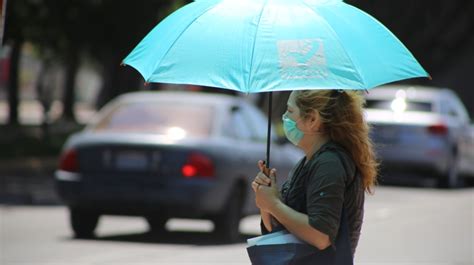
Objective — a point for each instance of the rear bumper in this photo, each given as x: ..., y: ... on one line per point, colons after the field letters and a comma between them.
x: 414, y: 158
x: 184, y: 198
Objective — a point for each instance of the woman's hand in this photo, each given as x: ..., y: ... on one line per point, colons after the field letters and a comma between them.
x: 262, y: 177
x: 266, y: 191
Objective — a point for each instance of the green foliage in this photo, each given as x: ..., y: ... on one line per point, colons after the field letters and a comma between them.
x: 30, y: 141
x: 91, y: 25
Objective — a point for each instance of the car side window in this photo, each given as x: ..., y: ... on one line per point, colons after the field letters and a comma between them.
x: 448, y: 109
x: 238, y: 126
x: 257, y: 126
x: 259, y: 123
x: 247, y: 122
x: 453, y: 111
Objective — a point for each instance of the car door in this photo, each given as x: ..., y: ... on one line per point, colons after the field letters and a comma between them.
x: 465, y: 148
x: 247, y: 133
x: 246, y: 150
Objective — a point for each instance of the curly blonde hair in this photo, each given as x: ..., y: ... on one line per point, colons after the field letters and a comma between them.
x: 343, y: 121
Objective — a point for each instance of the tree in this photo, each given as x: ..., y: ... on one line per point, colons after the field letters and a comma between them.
x: 14, y: 36
x: 118, y: 27
x: 105, y: 29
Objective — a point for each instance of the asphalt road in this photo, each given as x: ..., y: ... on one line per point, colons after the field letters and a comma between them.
x: 402, y: 226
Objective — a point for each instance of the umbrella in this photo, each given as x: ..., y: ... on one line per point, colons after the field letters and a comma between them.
x: 272, y: 45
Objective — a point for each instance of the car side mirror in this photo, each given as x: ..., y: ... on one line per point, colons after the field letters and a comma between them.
x: 452, y: 113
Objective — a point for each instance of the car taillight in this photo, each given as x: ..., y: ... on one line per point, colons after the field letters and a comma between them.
x: 198, y: 165
x: 438, y: 129
x: 68, y: 161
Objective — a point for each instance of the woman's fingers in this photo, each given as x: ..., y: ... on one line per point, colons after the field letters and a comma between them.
x: 262, y: 166
x: 263, y: 179
x: 273, y: 175
x: 255, y: 186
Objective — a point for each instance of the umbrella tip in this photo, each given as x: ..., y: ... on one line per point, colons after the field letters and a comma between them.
x: 146, y: 83
x: 122, y: 63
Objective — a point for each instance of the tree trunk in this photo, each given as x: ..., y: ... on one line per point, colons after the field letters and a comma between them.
x: 72, y: 65
x: 13, y: 88
x: 117, y: 79
x: 108, y: 90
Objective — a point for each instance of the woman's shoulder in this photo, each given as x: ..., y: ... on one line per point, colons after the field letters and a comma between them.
x: 336, y: 155
x: 331, y: 151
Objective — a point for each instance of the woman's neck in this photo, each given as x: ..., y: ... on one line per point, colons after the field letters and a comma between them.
x: 313, y: 146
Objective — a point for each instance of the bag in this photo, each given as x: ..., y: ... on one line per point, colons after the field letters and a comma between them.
x: 304, y: 254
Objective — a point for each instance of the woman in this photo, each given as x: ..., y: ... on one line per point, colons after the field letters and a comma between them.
x: 332, y: 178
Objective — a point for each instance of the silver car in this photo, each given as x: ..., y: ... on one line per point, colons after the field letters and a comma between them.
x: 168, y: 154
x: 422, y: 129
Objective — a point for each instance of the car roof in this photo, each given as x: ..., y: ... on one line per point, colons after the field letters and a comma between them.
x: 181, y: 96
x: 215, y: 100
x: 412, y: 92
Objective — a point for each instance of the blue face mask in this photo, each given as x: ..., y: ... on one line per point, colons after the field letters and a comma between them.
x: 293, y: 134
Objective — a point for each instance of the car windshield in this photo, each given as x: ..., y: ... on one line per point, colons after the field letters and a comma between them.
x: 398, y: 104
x: 171, y: 119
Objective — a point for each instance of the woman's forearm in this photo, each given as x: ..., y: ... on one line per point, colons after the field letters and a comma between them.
x: 298, y: 224
x: 267, y: 220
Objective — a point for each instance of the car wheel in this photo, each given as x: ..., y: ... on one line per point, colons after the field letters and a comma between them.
x: 227, y: 223
x: 451, y: 178
x: 157, y: 223
x: 83, y: 222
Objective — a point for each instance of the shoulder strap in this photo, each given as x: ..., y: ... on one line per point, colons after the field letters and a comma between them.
x: 337, y: 151
x: 343, y: 245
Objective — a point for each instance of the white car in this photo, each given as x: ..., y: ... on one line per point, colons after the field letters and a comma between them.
x: 422, y: 129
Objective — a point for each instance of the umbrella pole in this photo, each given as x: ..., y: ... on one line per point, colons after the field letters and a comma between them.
x: 270, y: 96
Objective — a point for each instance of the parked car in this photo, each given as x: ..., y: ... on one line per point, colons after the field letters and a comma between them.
x: 168, y: 154
x: 422, y: 129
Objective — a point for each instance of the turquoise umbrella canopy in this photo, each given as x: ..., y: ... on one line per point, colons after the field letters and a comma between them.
x: 273, y: 45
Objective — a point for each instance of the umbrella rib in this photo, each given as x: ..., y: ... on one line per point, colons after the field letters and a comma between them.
x: 253, y: 45
x: 180, y: 34
x: 337, y: 37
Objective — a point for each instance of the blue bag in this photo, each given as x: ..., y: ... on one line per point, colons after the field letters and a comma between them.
x: 305, y: 254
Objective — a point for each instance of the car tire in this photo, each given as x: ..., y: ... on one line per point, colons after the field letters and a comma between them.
x: 156, y: 223
x: 451, y: 178
x: 83, y: 222
x: 227, y: 223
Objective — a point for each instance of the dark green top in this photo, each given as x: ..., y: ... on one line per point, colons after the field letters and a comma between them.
x: 321, y: 188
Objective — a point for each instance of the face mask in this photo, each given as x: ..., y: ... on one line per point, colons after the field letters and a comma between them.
x: 293, y: 134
